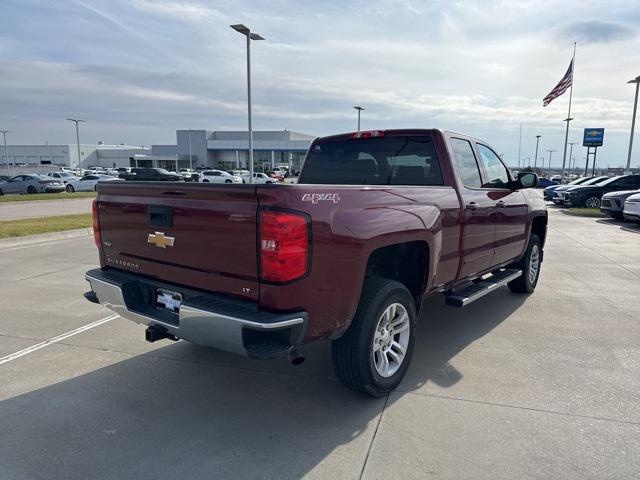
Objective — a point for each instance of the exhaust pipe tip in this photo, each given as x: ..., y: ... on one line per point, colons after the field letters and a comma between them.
x: 295, y: 357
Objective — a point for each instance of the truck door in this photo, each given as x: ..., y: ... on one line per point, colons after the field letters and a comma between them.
x: 477, y: 208
x: 511, y: 211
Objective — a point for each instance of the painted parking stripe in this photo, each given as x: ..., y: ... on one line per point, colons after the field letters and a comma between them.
x: 53, y: 340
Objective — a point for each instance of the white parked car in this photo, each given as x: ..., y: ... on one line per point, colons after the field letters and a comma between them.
x: 632, y: 208
x: 262, y: 178
x: 64, y: 176
x: 88, y: 183
x: 113, y: 172
x: 218, y: 176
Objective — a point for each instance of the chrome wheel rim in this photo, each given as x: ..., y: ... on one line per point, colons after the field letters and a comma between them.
x: 593, y: 202
x: 534, y: 264
x: 390, y: 340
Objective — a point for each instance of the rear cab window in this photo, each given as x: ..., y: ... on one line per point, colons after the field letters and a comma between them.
x: 389, y: 160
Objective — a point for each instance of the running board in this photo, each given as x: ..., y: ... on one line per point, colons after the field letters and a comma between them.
x: 473, y: 292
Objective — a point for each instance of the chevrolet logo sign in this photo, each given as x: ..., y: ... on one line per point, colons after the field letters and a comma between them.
x: 160, y: 241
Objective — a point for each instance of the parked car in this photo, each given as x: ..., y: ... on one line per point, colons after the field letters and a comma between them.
x: 89, y: 183
x: 558, y: 194
x: 151, y: 175
x: 324, y: 258
x: 113, y: 172
x: 218, y: 176
x: 589, y: 195
x: 545, y: 182
x: 632, y: 208
x: 188, y: 174
x: 4, y: 178
x: 548, y: 191
x: 64, y: 177
x: 31, y: 184
x: 613, y: 202
x: 262, y: 178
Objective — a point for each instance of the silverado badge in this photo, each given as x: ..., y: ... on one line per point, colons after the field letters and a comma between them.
x: 160, y: 241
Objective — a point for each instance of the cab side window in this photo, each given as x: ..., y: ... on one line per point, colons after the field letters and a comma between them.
x: 466, y: 163
x: 497, y: 174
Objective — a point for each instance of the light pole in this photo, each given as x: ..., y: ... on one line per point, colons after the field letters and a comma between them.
x: 190, y: 161
x: 359, y: 109
x: 535, y: 159
x: 633, y: 120
x: 6, y: 155
x: 77, y: 121
x: 570, y: 154
x: 550, y: 152
x: 250, y: 36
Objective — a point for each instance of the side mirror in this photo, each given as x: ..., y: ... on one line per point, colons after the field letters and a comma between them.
x: 527, y: 180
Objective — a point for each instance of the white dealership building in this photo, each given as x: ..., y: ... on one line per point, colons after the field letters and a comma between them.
x: 226, y: 150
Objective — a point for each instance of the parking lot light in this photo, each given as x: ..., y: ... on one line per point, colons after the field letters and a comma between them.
x: 77, y: 121
x: 6, y: 155
x: 250, y: 36
x: 633, y: 121
x: 359, y: 109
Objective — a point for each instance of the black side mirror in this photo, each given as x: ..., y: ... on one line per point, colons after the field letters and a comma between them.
x: 527, y: 180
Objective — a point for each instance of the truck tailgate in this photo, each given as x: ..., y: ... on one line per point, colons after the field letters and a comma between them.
x: 197, y: 235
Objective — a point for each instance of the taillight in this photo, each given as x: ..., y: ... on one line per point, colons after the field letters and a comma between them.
x: 368, y: 134
x: 284, y: 246
x: 96, y: 228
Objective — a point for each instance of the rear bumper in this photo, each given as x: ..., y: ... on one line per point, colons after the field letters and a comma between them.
x: 211, y: 320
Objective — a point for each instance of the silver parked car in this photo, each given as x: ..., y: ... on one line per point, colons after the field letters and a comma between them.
x: 88, y: 183
x: 31, y: 183
x: 64, y: 177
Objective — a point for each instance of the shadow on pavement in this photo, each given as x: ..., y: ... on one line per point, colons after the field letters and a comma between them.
x: 185, y: 417
x: 623, y: 224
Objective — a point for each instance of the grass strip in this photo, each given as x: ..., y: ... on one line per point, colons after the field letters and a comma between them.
x: 33, y: 226
x: 45, y: 196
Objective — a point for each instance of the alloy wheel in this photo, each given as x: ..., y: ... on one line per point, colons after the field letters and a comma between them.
x: 391, y: 340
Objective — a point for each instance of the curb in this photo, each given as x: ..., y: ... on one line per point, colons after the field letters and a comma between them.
x: 45, y: 237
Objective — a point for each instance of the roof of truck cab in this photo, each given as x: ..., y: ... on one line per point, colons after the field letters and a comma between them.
x: 387, y: 132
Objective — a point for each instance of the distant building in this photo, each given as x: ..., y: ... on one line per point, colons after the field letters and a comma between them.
x: 226, y: 150
x: 98, y: 155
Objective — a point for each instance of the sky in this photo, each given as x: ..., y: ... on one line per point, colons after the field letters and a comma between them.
x: 137, y: 70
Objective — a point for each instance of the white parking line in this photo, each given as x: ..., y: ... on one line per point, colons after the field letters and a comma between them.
x: 53, y: 340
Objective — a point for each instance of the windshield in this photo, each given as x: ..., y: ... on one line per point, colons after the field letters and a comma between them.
x: 608, y: 181
x: 401, y: 160
x: 579, y: 181
x: 594, y: 180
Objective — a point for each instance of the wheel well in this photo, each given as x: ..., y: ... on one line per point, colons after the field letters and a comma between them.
x: 539, y: 227
x: 406, y: 263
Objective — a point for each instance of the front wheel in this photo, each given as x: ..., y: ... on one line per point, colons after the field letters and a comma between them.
x: 530, y: 266
x: 592, y: 202
x: 70, y: 189
x: 373, y: 355
x: 205, y: 181
x: 228, y: 181
x: 32, y: 189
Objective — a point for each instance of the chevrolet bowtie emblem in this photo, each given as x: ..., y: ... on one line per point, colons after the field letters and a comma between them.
x: 160, y: 241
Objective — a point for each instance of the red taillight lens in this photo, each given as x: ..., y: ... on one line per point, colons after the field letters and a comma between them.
x: 368, y: 134
x: 96, y: 228
x: 284, y: 246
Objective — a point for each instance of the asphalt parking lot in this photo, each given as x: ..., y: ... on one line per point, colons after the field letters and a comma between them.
x: 544, y: 386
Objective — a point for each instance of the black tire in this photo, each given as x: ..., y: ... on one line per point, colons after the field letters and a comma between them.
x: 1, y: 192
x: 525, y: 283
x: 70, y: 189
x: 31, y: 189
x: 352, y: 354
x: 205, y: 181
x: 228, y: 181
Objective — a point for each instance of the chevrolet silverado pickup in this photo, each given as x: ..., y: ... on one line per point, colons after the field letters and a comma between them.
x: 378, y: 221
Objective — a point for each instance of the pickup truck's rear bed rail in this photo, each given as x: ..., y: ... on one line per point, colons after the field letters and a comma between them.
x: 208, y: 319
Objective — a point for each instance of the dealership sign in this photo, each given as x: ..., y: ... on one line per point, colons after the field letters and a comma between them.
x: 593, y: 137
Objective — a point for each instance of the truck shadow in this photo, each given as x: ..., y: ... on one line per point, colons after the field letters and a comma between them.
x: 632, y: 227
x: 182, y: 411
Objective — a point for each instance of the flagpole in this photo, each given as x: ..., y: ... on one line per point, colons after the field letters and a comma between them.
x: 568, y: 119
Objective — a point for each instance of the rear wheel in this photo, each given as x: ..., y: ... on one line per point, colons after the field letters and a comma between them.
x: 31, y: 189
x: 373, y: 355
x: 70, y: 189
x: 592, y: 202
x: 530, y: 266
x: 205, y: 181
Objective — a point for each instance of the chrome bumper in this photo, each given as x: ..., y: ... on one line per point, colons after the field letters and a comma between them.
x: 211, y: 320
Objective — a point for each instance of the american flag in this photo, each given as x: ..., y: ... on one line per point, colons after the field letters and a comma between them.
x: 561, y: 87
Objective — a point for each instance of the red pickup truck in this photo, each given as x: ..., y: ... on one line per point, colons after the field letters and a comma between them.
x: 378, y: 221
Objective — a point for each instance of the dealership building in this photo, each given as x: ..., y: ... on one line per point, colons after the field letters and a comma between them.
x: 225, y: 150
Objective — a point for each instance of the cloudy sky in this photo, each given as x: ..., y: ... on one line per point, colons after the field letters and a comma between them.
x: 137, y: 70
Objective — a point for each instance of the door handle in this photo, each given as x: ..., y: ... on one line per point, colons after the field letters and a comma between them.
x: 472, y: 206
x: 500, y: 204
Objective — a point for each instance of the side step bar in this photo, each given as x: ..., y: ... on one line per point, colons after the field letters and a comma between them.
x: 471, y: 293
